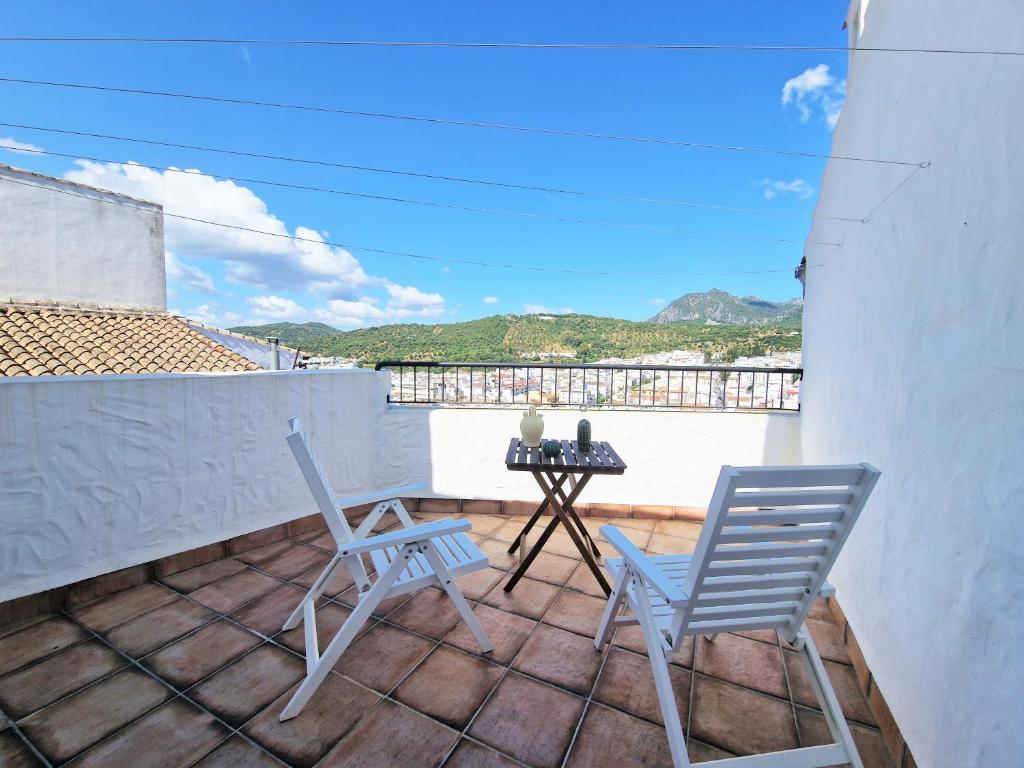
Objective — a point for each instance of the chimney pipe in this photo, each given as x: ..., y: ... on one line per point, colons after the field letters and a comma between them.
x: 275, y: 353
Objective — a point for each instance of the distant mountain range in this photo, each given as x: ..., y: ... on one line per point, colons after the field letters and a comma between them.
x: 717, y: 307
x: 722, y: 325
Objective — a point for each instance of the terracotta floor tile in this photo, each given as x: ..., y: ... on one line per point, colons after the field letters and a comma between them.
x: 429, y: 612
x: 497, y: 554
x: 350, y: 597
x: 329, y: 618
x: 392, y: 735
x: 293, y: 561
x: 627, y: 683
x: 554, y: 569
x: 844, y: 682
x: 561, y: 544
x: 72, y: 725
x: 237, y: 752
x: 663, y: 544
x: 267, y: 551
x: 38, y: 641
x: 35, y: 686
x: 477, y: 584
x: 14, y: 753
x: 769, y: 636
x: 383, y: 656
x: 324, y: 541
x: 267, y: 614
x: 638, y: 537
x: 246, y: 686
x: 339, y: 582
x: 449, y: 686
x: 337, y: 705
x: 189, y: 660
x: 632, y: 638
x: 530, y: 721
x: 530, y: 598
x: 229, y: 593
x: 740, y: 720
x: 469, y: 754
x: 104, y: 614
x: 820, y: 612
x: 744, y: 662
x: 869, y: 741
x: 511, y: 529
x: 610, y: 739
x: 582, y: 580
x: 200, y: 576
x: 829, y: 642
x: 17, y: 625
x: 680, y: 528
x: 159, y: 627
x: 559, y: 657
x: 699, y: 752
x: 576, y: 612
x: 174, y: 736
x: 484, y: 525
x: 507, y: 632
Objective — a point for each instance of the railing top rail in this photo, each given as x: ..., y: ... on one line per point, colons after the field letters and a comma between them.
x: 590, y: 366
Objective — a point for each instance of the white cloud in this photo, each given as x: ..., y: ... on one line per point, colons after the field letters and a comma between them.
x: 407, y: 301
x: 188, y: 275
x: 490, y: 299
x: 540, y: 309
x: 276, y: 308
x: 10, y: 144
x: 211, y: 314
x: 775, y: 187
x: 815, y: 87
x: 657, y: 302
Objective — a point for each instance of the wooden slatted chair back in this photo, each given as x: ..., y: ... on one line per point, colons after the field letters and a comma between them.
x: 319, y: 485
x: 768, y: 543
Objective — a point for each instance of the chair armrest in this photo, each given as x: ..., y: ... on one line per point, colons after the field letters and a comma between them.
x: 382, y: 495
x: 398, y: 538
x: 643, y: 565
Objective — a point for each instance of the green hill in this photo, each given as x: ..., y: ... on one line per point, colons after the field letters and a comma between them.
x: 717, y: 307
x: 511, y: 337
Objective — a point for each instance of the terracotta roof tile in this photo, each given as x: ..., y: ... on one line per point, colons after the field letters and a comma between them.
x: 58, y: 342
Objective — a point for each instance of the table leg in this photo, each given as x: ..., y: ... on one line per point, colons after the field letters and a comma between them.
x: 536, y: 516
x: 565, y: 513
x: 560, y: 493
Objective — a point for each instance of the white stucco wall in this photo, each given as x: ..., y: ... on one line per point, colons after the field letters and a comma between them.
x: 59, y: 242
x: 915, y: 362
x: 104, y: 472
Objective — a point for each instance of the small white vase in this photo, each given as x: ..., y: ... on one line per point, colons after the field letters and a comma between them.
x: 532, y: 428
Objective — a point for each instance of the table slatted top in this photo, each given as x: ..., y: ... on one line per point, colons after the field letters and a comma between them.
x: 601, y: 459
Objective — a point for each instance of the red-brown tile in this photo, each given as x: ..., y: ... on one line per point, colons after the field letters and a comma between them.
x: 627, y: 683
x: 562, y: 544
x: 337, y: 705
x: 838, y: 617
x: 74, y: 724
x: 257, y: 539
x: 583, y: 580
x: 13, y: 620
x: 700, y: 752
x: 38, y: 641
x: 194, y: 578
x: 14, y: 753
x: 106, y: 613
x: 246, y: 686
x: 513, y: 528
x: 681, y: 529
x: 886, y: 722
x: 338, y: 583
x: 109, y: 583
x: 554, y: 569
x: 429, y: 612
x: 860, y: 664
x: 691, y: 514
x: 482, y: 512
x: 304, y: 525
x: 740, y: 720
x: 159, y: 627
x: 37, y: 685
x: 530, y: 598
x: 469, y: 754
x: 869, y: 741
x: 324, y: 541
x: 392, y: 735
x: 632, y: 638
x: 265, y: 552
x: 559, y: 657
x: 844, y: 682
x: 744, y: 662
x: 411, y: 504
x: 530, y: 721
x: 478, y: 583
x: 610, y: 739
x: 440, y: 506
x: 383, y: 656
x: 237, y: 752
x: 189, y: 560
x: 507, y: 632
x: 637, y: 536
x: 329, y: 618
x: 663, y: 544
x: 820, y: 612
x: 293, y: 561
x: 227, y: 594
x: 497, y: 554
x: 609, y: 510
x: 189, y: 660
x: 267, y: 614
x: 576, y: 612
x: 449, y: 686
x: 828, y: 641
x: 651, y: 512
x: 174, y: 736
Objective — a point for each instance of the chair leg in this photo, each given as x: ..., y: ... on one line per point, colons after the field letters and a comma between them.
x: 314, y: 592
x: 611, y: 608
x: 444, y: 576
x: 641, y: 604
x: 827, y: 697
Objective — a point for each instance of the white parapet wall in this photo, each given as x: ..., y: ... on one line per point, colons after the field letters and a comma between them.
x: 915, y: 362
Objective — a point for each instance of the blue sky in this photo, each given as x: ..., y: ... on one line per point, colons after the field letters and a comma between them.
x: 227, y: 277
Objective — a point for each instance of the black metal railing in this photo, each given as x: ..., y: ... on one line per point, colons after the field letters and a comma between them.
x: 635, y: 386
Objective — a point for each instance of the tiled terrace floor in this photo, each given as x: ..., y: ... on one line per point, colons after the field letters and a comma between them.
x: 193, y: 671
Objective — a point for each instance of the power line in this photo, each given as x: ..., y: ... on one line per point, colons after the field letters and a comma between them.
x: 435, y: 177
x: 428, y: 203
x: 446, y: 121
x: 510, y: 45
x: 403, y: 254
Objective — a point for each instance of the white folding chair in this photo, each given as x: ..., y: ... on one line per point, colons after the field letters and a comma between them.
x: 769, y: 540
x: 405, y: 560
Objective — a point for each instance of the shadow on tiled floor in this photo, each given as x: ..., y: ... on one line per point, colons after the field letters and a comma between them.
x: 194, y: 670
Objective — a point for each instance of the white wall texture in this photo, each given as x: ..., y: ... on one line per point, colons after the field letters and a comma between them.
x: 59, y: 242
x: 914, y: 362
